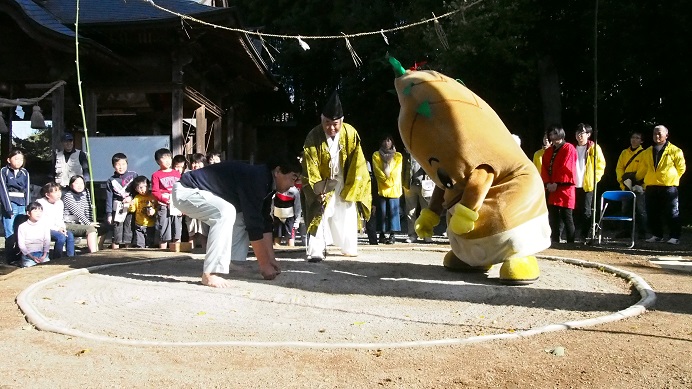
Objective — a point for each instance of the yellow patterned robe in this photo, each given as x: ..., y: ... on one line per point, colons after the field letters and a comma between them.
x: 316, y: 168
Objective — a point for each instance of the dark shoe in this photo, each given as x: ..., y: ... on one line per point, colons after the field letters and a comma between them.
x: 391, y: 240
x: 373, y: 242
x: 314, y: 259
x: 383, y: 239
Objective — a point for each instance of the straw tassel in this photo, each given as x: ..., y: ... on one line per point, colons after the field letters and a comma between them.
x: 440, y: 33
x: 37, y: 120
x: 356, y: 59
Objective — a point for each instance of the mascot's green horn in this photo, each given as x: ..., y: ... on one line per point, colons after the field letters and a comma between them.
x: 396, y: 65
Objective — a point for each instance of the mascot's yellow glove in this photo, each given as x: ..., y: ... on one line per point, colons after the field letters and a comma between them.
x: 426, y: 222
x: 462, y: 220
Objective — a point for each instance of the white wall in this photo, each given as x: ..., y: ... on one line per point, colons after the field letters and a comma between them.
x: 138, y: 149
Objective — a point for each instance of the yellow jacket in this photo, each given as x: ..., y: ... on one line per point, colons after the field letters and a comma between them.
x: 593, y: 153
x: 352, y: 162
x: 624, y: 158
x: 389, y: 187
x: 138, y: 205
x: 538, y: 159
x: 669, y: 170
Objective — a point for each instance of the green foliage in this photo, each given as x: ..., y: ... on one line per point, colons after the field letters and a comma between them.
x: 495, y: 46
x: 37, y: 146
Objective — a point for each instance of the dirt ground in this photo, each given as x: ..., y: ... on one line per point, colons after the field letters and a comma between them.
x: 653, y: 350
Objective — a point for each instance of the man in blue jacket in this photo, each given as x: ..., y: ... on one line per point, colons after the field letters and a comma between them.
x: 234, y: 199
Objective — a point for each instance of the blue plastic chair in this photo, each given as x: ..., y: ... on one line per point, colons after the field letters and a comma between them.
x: 613, y: 197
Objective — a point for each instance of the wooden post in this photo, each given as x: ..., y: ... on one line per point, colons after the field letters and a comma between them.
x: 6, y: 139
x: 188, y: 147
x: 201, y: 130
x: 216, y: 134
x: 177, y: 135
x: 58, y: 117
x: 251, y: 133
x: 238, y: 140
x: 229, y: 129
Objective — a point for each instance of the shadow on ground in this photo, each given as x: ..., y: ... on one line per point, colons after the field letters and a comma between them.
x: 403, y: 280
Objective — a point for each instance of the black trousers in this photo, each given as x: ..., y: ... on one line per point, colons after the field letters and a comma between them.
x: 122, y: 231
x: 641, y: 221
x: 144, y: 236
x: 582, y: 212
x: 556, y: 216
x: 661, y: 209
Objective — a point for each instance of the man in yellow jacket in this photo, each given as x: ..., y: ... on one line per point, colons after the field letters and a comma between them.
x: 336, y: 184
x: 661, y: 167
x: 626, y: 172
x: 586, y: 177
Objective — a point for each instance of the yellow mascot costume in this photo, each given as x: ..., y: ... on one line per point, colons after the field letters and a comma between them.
x: 491, y: 192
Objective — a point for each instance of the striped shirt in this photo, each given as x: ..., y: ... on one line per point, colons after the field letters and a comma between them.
x: 77, y: 207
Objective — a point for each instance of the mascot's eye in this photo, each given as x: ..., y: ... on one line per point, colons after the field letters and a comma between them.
x: 444, y: 179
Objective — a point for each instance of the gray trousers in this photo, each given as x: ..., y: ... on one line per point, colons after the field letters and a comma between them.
x: 227, y: 232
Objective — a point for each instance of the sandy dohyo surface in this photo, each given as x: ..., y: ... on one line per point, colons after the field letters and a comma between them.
x: 135, y: 316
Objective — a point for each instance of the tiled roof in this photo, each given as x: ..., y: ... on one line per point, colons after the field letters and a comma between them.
x: 121, y: 11
x: 58, y: 16
x: 44, y: 18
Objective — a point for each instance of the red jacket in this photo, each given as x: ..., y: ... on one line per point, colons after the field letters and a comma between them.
x: 560, y: 171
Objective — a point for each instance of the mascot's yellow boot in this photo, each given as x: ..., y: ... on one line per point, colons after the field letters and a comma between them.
x: 519, y: 271
x: 453, y: 263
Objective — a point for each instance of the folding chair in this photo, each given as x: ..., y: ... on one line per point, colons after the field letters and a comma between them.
x: 617, y: 197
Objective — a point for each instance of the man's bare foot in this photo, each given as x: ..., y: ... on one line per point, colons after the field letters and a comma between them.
x: 215, y: 281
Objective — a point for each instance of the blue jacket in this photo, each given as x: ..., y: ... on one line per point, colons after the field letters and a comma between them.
x: 14, y: 181
x: 123, y: 180
x: 249, y: 188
